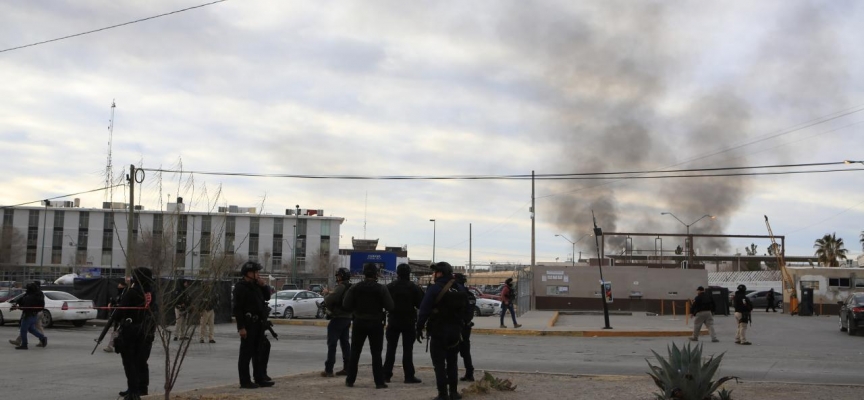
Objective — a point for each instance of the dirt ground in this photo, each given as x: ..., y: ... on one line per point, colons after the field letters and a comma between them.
x: 534, y: 386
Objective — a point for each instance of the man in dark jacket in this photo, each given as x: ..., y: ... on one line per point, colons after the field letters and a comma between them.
x: 442, y: 308
x: 467, y: 326
x: 250, y: 313
x: 368, y: 300
x: 137, y: 332
x: 703, y: 313
x: 770, y: 300
x: 402, y: 322
x: 339, y: 328
x: 507, y: 298
x: 743, y: 307
x: 182, y: 308
x: 31, y: 304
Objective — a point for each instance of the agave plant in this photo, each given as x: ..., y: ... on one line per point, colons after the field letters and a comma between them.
x: 685, y: 376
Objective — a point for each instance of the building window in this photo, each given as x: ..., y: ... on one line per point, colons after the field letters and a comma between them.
x: 838, y: 282
x: 557, y: 290
x: 205, y: 244
x: 301, y: 264
x: 57, y: 239
x: 230, y: 225
x: 859, y: 282
x: 157, y: 223
x: 276, y: 263
x: 106, y: 257
x: 34, y: 218
x: 325, y: 247
x: 229, y: 244
x: 84, y: 220
x: 107, y: 240
x: 300, y: 247
x: 8, y: 217
x: 253, y: 248
x: 254, y: 224
x: 108, y: 221
x: 56, y: 256
x: 205, y: 223
x: 59, y: 216
x: 301, y: 227
x: 31, y: 256
x: 325, y: 228
x: 278, y: 224
x: 182, y: 224
x: 810, y: 284
x: 32, y: 237
x: 82, y: 240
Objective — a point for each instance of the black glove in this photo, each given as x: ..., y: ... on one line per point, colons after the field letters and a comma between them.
x: 419, y: 335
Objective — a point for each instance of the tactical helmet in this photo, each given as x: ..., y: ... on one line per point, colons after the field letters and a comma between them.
x: 370, y: 270
x: 461, y: 278
x: 442, y: 267
x: 742, y: 288
x: 403, y: 270
x: 250, y: 266
x: 343, y: 274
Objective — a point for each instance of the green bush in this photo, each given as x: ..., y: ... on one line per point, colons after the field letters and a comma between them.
x: 684, y: 376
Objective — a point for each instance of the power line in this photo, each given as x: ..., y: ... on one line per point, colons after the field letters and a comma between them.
x: 110, y: 27
x: 62, y: 196
x: 554, y: 176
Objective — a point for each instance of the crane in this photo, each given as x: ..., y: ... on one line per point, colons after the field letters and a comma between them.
x: 788, y: 282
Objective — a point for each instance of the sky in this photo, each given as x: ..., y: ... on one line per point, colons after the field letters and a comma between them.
x: 376, y: 88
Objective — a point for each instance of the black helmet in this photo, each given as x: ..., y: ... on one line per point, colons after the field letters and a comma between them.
x: 442, y: 267
x: 343, y: 274
x: 249, y: 266
x: 403, y: 271
x: 742, y: 288
x: 461, y: 278
x: 142, y: 276
x: 370, y: 270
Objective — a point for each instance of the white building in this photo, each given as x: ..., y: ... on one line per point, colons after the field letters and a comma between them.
x: 62, y: 238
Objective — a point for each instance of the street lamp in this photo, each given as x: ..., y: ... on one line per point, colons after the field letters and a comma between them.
x: 573, y: 259
x: 689, y: 239
x: 433, y: 240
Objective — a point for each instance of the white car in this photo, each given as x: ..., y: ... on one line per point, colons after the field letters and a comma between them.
x: 487, y: 307
x: 296, y: 303
x: 59, y: 306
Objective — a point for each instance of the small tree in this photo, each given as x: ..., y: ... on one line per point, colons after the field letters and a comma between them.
x: 830, y: 250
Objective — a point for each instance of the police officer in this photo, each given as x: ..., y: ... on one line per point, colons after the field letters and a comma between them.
x: 181, y: 310
x: 367, y: 300
x: 467, y: 325
x: 339, y: 327
x: 442, y: 307
x: 406, y: 297
x: 250, y: 312
x: 743, y: 307
x: 137, y: 331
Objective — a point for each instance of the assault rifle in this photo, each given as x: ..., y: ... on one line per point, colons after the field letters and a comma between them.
x: 107, y: 325
x: 269, y: 326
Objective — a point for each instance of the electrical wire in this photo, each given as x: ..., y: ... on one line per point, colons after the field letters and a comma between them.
x: 65, y: 195
x: 110, y: 27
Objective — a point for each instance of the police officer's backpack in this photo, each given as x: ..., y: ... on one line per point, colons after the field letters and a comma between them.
x: 446, y: 319
x: 471, y: 306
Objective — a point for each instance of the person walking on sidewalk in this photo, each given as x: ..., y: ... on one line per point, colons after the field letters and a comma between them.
x: 31, y: 304
x: 467, y: 325
x: 703, y: 313
x: 743, y: 307
x: 406, y: 298
x: 507, y: 297
x: 443, y: 306
x: 17, y: 341
x: 367, y: 300
x: 339, y: 328
x: 770, y: 301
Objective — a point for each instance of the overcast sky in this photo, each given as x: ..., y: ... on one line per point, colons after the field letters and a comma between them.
x: 450, y: 88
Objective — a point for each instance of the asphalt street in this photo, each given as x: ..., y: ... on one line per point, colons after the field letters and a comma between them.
x: 792, y: 349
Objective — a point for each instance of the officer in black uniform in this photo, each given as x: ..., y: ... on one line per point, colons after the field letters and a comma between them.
x: 250, y: 312
x: 467, y: 325
x: 406, y: 297
x: 339, y: 328
x: 443, y: 307
x: 137, y: 331
x: 368, y: 300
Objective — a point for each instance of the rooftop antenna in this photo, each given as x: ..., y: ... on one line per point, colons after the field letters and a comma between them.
x: 365, y: 207
x: 109, y: 169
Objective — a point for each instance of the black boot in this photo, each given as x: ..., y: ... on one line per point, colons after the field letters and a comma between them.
x: 469, y: 376
x: 455, y: 396
x: 442, y: 396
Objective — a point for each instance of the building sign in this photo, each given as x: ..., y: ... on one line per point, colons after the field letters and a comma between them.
x: 385, y: 261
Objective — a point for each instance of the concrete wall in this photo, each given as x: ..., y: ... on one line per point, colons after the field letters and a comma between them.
x: 659, y: 288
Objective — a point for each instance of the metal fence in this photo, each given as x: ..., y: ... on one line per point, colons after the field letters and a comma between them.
x: 524, y: 286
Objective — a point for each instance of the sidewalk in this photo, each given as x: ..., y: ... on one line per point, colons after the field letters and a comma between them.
x: 554, y: 323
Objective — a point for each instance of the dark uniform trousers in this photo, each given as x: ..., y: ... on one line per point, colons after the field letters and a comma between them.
x: 338, y: 331
x: 374, y: 330
x: 135, y: 351
x: 250, y: 350
x: 408, y: 333
x: 465, y: 349
x: 445, y: 361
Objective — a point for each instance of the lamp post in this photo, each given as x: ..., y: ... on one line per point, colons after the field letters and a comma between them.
x: 689, y: 239
x: 433, y: 240
x: 574, y: 244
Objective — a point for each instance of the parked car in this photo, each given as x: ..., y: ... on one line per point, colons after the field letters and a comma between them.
x: 295, y: 304
x: 315, y: 287
x: 7, y: 293
x: 290, y: 286
x: 760, y: 301
x: 852, y: 313
x: 59, y: 306
x: 732, y: 297
x: 486, y: 307
x: 480, y: 295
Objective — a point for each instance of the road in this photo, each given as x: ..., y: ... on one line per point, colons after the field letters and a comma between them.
x: 793, y: 349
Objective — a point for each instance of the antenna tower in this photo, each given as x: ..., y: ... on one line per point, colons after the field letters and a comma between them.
x: 109, y: 169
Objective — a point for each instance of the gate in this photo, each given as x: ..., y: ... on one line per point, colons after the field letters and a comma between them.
x: 524, y: 286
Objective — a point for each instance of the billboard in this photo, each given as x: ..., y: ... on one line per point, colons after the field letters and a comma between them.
x: 385, y: 261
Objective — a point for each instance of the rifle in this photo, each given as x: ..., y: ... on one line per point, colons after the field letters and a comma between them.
x: 269, y: 326
x: 104, y: 331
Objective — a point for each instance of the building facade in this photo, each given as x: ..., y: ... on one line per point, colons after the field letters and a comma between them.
x: 60, y: 238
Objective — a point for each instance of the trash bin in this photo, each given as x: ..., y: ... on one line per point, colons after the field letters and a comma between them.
x: 805, y: 307
x: 636, y: 303
x: 720, y: 295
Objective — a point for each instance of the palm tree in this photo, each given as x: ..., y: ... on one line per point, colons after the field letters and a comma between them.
x: 829, y: 250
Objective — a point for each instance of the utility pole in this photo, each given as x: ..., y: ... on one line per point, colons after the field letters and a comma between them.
x: 597, y: 233
x: 533, y: 219
x: 130, y: 244
x: 44, y: 233
x: 470, y: 264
